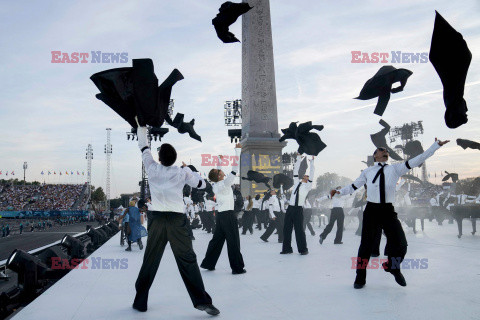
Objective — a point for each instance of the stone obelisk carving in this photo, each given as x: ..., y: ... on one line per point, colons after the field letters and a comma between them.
x: 261, y: 150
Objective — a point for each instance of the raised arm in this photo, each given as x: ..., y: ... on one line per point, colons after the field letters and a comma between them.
x: 193, y: 179
x: 230, y: 179
x: 147, y: 157
x: 402, y: 168
x: 296, y: 167
x: 312, y: 172
x: 361, y: 180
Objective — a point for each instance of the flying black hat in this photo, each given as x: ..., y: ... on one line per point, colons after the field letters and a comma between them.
x: 282, y: 179
x: 448, y: 175
x: 257, y: 177
x: 380, y: 141
x: 303, y: 168
x: 183, y: 127
x: 413, y: 148
x: 228, y: 14
x: 412, y: 177
x: 133, y: 91
x: 450, y: 56
x: 468, y: 144
x: 380, y: 85
x: 308, y: 142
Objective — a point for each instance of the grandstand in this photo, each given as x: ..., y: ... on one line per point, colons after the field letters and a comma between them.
x: 43, y: 197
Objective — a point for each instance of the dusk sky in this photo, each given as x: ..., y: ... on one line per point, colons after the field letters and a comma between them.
x: 50, y: 114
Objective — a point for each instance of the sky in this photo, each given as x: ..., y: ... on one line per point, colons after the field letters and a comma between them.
x: 49, y: 112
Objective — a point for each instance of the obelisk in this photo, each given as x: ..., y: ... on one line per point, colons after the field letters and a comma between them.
x: 261, y: 150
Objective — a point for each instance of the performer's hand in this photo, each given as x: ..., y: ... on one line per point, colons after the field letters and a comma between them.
x: 274, y: 218
x: 183, y: 164
x: 441, y: 143
x: 313, y: 158
x: 238, y: 145
x: 333, y: 192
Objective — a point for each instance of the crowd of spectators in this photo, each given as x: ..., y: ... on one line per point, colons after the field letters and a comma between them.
x: 39, y: 197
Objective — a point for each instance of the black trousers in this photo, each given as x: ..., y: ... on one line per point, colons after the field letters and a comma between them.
x: 307, y: 216
x: 338, y: 216
x: 381, y: 216
x: 209, y: 221
x: 275, y: 224
x: 247, y: 222
x: 294, y: 220
x: 226, y: 230
x: 170, y: 227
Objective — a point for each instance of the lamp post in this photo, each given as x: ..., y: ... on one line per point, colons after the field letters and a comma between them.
x: 25, y: 166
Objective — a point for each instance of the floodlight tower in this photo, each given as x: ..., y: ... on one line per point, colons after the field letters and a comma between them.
x: 108, y: 152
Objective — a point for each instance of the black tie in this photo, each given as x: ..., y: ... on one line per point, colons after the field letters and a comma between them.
x: 382, y: 182
x: 297, y: 193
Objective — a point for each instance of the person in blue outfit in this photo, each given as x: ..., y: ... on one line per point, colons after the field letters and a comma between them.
x: 137, y: 230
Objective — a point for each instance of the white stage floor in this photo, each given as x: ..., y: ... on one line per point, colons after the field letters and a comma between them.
x: 316, y: 286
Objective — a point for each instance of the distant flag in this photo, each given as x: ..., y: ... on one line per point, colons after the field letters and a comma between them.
x: 435, y: 174
x: 78, y: 173
x: 49, y: 173
x: 0, y: 171
x: 83, y: 173
x: 66, y: 172
x: 71, y: 172
x: 6, y: 173
x: 13, y: 173
x: 54, y: 172
x: 42, y: 173
x: 60, y: 172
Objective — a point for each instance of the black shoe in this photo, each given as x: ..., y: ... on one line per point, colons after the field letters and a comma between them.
x: 397, y: 274
x: 280, y: 241
x: 399, y: 278
x: 264, y: 239
x: 374, y: 255
x: 304, y: 253
x: 239, y: 272
x: 140, y: 244
x: 321, y: 239
x: 209, y: 269
x: 139, y: 308
x: 286, y: 252
x: 313, y: 233
x: 338, y: 242
x: 128, y: 249
x: 358, y: 285
x: 359, y: 282
x: 244, y: 233
x: 208, y: 308
x: 192, y: 238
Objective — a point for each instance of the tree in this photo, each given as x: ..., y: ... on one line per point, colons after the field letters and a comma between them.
x: 329, y: 181
x: 98, y: 195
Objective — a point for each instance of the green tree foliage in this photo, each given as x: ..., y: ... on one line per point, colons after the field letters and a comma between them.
x: 329, y: 181
x: 98, y: 195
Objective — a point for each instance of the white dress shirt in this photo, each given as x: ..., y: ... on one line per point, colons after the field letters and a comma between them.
x: 338, y: 201
x: 392, y: 174
x: 166, y: 183
x: 304, y: 187
x: 275, y: 205
x: 223, y: 189
x: 257, y: 203
x: 210, y: 205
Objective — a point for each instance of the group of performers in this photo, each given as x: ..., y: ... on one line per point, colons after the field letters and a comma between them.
x: 169, y: 214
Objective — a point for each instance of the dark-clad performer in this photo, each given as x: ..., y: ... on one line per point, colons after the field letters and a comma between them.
x: 381, y: 180
x: 294, y: 215
x: 275, y: 208
x: 226, y: 221
x: 168, y: 225
x: 337, y: 215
